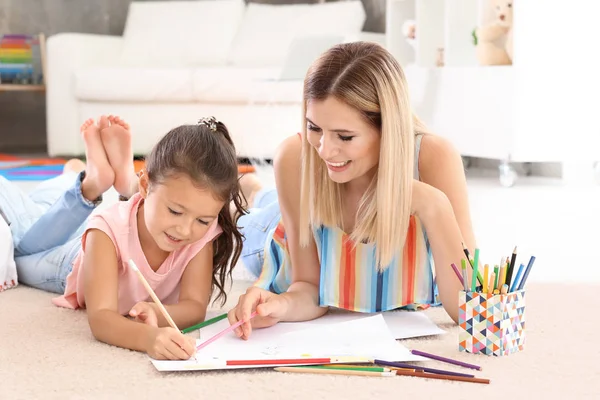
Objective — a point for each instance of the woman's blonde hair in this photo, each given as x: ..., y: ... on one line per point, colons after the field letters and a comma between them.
x: 368, y: 78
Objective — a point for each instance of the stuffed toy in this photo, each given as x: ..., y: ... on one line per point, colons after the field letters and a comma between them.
x: 495, y: 40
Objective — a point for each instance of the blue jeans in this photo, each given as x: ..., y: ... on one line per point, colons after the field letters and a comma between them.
x: 256, y: 226
x: 47, y: 226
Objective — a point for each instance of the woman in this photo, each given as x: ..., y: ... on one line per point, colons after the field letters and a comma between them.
x: 369, y: 202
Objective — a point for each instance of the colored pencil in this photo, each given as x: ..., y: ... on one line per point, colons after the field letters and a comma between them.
x: 443, y: 377
x: 334, y: 371
x: 502, y: 277
x: 205, y: 323
x: 497, y: 276
x: 504, y: 289
x: 444, y: 359
x: 223, y: 332
x: 486, y: 271
x: 466, y: 251
x: 515, y: 283
x: 491, y: 288
x: 457, y: 273
x: 298, y: 361
x: 425, y: 369
x: 155, y: 298
x: 347, y: 367
x: 526, y: 274
x: 475, y: 272
x: 464, y: 274
x: 511, y: 267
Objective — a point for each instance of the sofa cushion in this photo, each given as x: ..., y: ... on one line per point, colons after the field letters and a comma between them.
x: 266, y: 31
x: 130, y: 84
x: 180, y: 33
x: 244, y: 86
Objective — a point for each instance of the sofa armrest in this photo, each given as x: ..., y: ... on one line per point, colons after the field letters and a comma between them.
x: 66, y: 53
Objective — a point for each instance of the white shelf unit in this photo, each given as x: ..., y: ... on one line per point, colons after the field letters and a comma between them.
x: 540, y: 109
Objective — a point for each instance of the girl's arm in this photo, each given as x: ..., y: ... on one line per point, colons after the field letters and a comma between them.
x: 443, y: 207
x: 100, y: 269
x: 303, y: 293
x: 194, y: 294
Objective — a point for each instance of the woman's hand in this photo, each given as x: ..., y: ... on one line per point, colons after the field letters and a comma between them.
x: 169, y: 344
x: 270, y: 308
x: 144, y: 313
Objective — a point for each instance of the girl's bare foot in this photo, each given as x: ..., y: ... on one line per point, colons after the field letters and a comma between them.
x: 250, y: 185
x: 99, y: 176
x: 116, y: 138
x: 74, y: 165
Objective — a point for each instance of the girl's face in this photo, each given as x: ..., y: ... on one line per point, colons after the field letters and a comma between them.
x: 177, y: 213
x: 346, y: 142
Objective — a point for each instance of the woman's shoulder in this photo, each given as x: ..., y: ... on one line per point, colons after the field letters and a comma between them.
x: 436, y: 153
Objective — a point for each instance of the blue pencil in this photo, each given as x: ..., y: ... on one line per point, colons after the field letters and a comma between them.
x: 522, y: 284
x: 517, y: 277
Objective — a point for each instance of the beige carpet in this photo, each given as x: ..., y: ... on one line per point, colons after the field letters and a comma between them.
x: 47, y: 353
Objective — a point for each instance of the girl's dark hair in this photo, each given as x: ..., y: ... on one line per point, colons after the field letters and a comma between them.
x: 207, y: 155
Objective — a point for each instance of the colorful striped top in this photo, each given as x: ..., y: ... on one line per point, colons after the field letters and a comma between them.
x: 349, y: 276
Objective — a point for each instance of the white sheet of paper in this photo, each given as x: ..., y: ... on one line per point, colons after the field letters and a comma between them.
x: 402, y: 324
x: 367, y: 337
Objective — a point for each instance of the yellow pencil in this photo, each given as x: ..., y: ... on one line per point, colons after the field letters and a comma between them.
x: 486, y: 270
x: 333, y: 371
x: 162, y: 308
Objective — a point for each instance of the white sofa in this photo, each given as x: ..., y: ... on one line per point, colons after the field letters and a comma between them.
x: 179, y: 61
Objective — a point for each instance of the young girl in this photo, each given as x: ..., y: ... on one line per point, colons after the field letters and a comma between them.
x: 370, y: 209
x: 178, y: 230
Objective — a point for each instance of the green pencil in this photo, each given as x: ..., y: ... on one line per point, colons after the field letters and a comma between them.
x: 475, y: 272
x: 353, y: 368
x: 205, y: 323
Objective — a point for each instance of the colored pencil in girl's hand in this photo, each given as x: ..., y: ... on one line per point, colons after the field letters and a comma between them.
x: 157, y: 301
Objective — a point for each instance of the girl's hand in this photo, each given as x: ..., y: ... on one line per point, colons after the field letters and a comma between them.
x: 170, y: 344
x: 144, y: 313
x: 270, y: 308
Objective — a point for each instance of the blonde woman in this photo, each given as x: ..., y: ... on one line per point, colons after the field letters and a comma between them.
x: 367, y: 202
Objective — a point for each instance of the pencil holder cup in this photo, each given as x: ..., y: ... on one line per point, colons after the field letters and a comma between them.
x: 491, y: 324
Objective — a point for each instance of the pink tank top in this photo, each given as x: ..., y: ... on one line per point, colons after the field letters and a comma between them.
x: 119, y: 222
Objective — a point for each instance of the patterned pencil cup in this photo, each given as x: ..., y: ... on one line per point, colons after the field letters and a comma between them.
x: 491, y: 324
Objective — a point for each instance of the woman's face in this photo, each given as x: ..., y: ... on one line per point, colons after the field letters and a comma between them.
x: 347, y: 143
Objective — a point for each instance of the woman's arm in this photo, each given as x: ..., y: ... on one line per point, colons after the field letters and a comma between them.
x: 303, y: 294
x: 443, y: 207
x: 194, y: 294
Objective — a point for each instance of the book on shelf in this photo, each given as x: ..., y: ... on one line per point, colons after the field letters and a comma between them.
x: 21, y: 60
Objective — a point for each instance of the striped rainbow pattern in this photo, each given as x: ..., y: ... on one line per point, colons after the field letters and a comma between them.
x: 349, y: 277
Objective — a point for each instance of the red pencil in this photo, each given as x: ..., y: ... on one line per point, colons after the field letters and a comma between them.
x: 282, y: 361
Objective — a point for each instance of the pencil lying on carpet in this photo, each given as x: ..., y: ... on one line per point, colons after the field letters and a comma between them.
x: 444, y: 359
x: 308, y: 370
x: 443, y: 377
x: 157, y: 301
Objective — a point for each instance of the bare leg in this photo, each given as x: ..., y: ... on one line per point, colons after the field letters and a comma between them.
x: 99, y: 176
x: 74, y: 165
x: 116, y: 139
x: 250, y: 185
